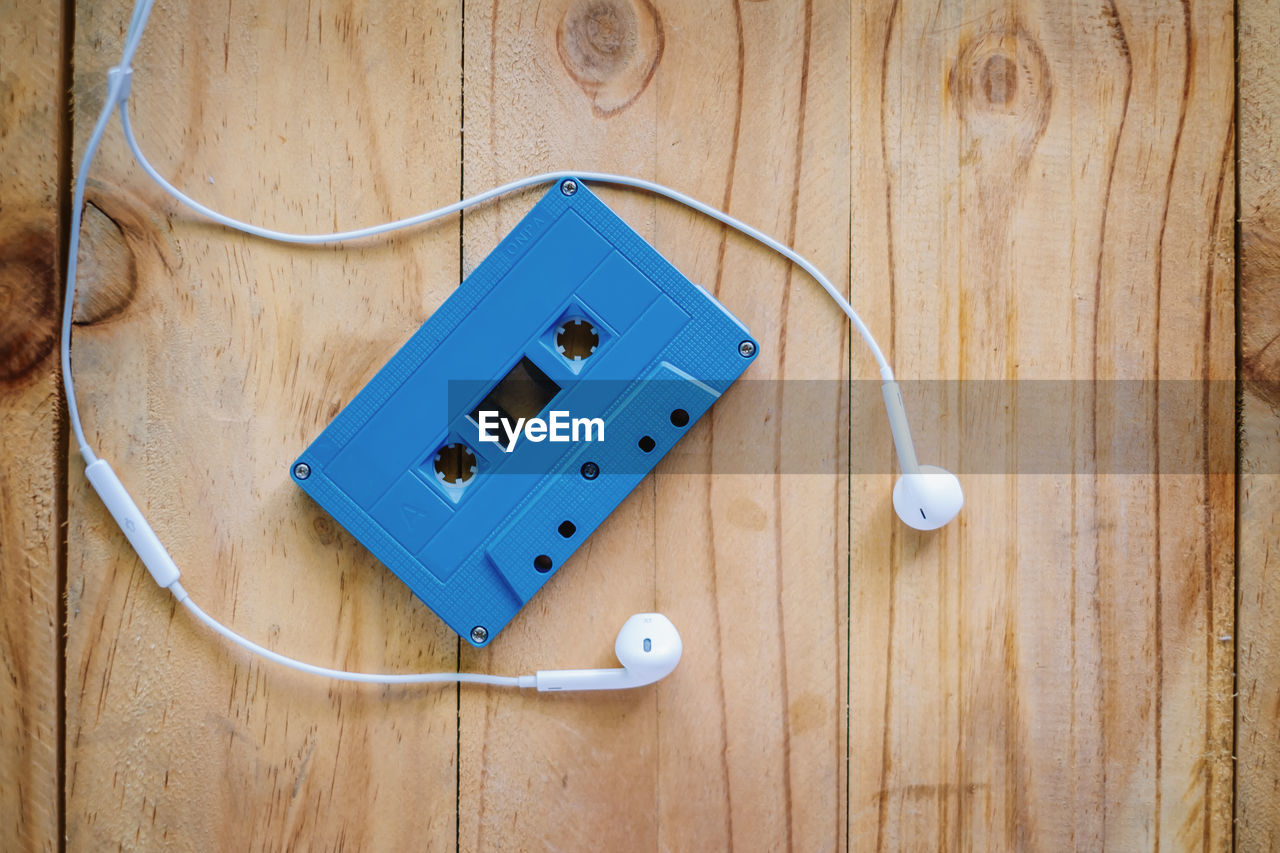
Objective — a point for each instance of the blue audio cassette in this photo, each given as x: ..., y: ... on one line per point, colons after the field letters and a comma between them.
x: 524, y: 410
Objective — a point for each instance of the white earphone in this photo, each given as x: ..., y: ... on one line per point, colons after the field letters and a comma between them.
x: 648, y: 646
x: 925, y: 497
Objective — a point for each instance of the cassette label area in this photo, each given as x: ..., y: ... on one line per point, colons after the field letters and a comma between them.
x: 524, y: 411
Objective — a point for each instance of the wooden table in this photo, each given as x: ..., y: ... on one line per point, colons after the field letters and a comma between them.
x: 1088, y: 659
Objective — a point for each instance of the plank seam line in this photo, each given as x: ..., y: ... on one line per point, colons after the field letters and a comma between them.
x: 62, y: 445
x: 1239, y: 436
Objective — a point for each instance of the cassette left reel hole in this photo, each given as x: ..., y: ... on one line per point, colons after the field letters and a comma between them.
x: 577, y: 339
x: 455, y: 464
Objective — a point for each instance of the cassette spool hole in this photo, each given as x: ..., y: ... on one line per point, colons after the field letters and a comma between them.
x: 455, y: 464
x: 577, y: 339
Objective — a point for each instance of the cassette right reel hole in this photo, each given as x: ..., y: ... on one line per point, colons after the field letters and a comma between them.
x: 577, y: 339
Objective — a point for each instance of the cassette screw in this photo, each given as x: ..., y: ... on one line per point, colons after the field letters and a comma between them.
x: 590, y: 470
x: 302, y: 470
x: 479, y: 634
x: 746, y: 349
x: 569, y: 187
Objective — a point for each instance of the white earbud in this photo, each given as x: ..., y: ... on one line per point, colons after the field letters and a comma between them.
x: 648, y: 647
x: 926, y: 497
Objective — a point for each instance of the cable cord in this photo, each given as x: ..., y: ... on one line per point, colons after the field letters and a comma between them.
x: 342, y: 675
x: 886, y: 372
x: 119, y: 83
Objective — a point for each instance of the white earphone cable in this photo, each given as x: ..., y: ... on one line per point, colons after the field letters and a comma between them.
x: 886, y: 372
x: 118, y: 86
x: 342, y: 675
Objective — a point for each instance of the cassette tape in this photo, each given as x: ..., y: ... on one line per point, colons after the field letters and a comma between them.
x: 524, y: 410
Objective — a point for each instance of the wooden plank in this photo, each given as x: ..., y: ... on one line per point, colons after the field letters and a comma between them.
x: 745, y: 106
x: 1257, y: 809
x: 1052, y: 194
x: 206, y: 361
x: 1031, y: 195
x: 31, y: 91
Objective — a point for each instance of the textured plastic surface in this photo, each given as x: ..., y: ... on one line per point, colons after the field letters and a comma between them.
x: 476, y: 551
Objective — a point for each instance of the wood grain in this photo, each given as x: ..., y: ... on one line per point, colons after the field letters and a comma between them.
x: 743, y: 746
x: 206, y: 361
x: 1257, y: 736
x: 31, y: 127
x: 1009, y: 191
x: 1052, y: 187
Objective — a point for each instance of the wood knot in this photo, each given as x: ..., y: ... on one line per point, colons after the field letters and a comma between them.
x: 999, y: 80
x: 324, y: 529
x: 1002, y: 87
x: 108, y: 268
x: 611, y: 49
x: 28, y: 301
